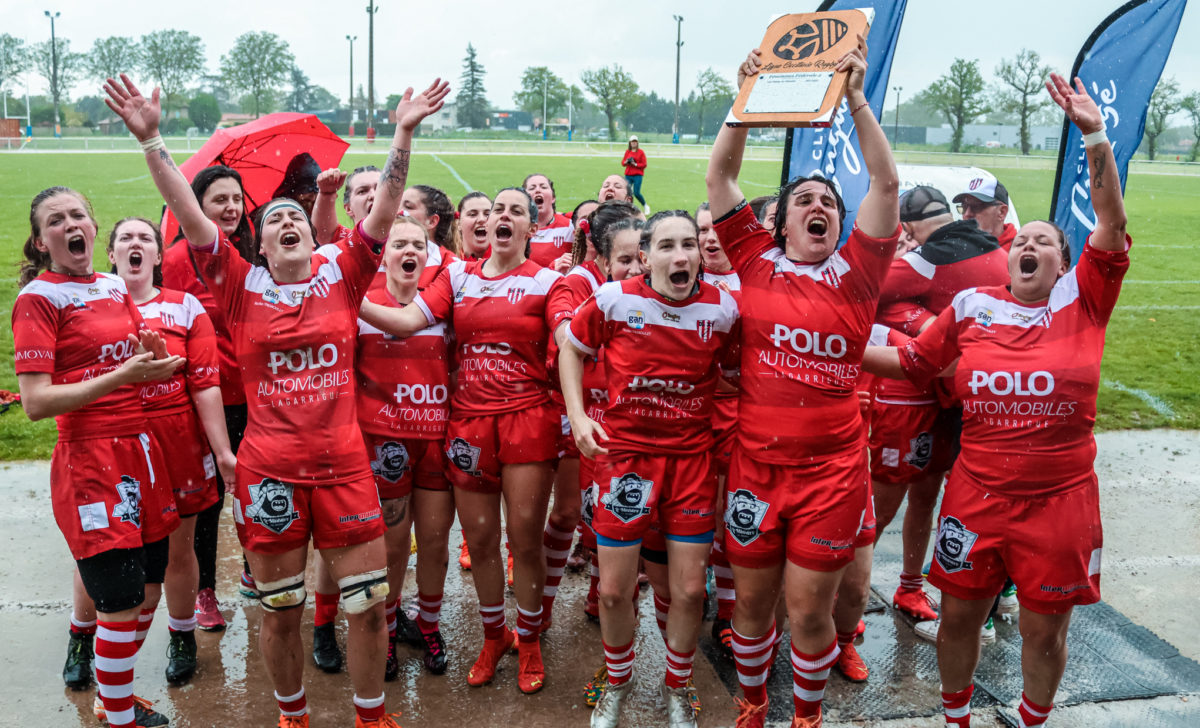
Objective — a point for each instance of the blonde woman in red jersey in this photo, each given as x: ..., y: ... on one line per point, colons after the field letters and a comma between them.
x: 1022, y: 499
x: 798, y: 485
x: 294, y: 326
x: 502, y: 436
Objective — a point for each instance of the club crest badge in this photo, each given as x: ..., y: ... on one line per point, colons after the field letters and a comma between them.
x: 954, y: 543
x: 744, y: 514
x: 627, y: 497
x: 391, y: 461
x: 920, y: 451
x: 704, y: 327
x: 129, y: 509
x: 464, y: 456
x: 271, y: 505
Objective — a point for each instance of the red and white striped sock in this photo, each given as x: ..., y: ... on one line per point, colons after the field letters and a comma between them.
x: 389, y: 614
x: 662, y: 606
x: 911, y: 582
x: 845, y: 638
x: 493, y: 620
x: 679, y: 667
x: 293, y: 704
x: 529, y: 625
x: 809, y: 675
x: 957, y: 707
x: 619, y: 661
x: 593, y: 595
x: 116, y: 651
x: 369, y: 709
x: 326, y: 608
x: 80, y: 627
x: 1033, y: 714
x: 144, y: 620
x: 752, y: 655
x: 181, y: 625
x: 723, y: 575
x: 556, y: 545
x: 429, y: 611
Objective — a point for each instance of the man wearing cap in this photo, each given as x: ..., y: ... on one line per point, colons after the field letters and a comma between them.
x: 912, y: 435
x: 986, y: 202
x: 635, y: 168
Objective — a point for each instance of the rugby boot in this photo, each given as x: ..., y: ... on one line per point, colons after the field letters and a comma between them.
x: 531, y: 675
x: 391, y: 666
x: 143, y: 715
x: 77, y: 672
x: 208, y: 611
x: 579, y: 557
x: 484, y: 669
x: 407, y: 630
x: 680, y: 711
x: 595, y: 687
x: 851, y: 664
x: 293, y: 721
x: 722, y: 634
x: 749, y: 714
x: 1008, y: 601
x: 915, y: 603
x: 386, y: 721
x: 181, y: 658
x: 435, y: 652
x: 607, y: 713
x: 807, y: 721
x: 326, y: 653
x: 464, y: 557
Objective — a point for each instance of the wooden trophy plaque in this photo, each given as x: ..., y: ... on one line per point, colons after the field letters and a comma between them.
x: 797, y: 85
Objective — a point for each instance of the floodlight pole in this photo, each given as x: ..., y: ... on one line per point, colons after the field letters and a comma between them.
x: 678, y: 46
x: 371, y: 10
x: 545, y: 88
x: 350, y: 98
x: 896, y: 124
x: 54, y: 70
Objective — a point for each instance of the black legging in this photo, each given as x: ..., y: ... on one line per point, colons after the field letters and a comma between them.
x: 208, y: 520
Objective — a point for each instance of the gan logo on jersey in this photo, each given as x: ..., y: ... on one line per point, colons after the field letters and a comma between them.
x: 983, y: 317
x: 954, y: 543
x: 271, y: 505
x: 464, y: 456
x: 391, y: 461
x: 810, y: 39
x: 627, y: 497
x: 744, y: 514
x: 920, y: 450
x: 636, y: 320
x: 129, y: 508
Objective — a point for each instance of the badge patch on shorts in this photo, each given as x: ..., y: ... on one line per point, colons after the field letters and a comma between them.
x: 271, y: 505
x: 954, y: 543
x: 627, y: 496
x: 391, y: 461
x: 744, y: 513
x: 920, y: 451
x: 129, y: 509
x: 588, y: 508
x: 464, y: 455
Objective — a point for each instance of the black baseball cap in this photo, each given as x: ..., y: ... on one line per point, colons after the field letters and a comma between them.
x: 915, y: 204
x: 987, y: 190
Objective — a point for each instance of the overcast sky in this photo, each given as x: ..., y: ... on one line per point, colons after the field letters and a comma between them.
x: 416, y: 41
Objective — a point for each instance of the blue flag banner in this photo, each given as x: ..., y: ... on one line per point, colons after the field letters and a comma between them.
x: 834, y: 152
x: 1120, y: 65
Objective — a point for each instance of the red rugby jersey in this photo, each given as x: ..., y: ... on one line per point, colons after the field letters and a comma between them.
x: 804, y: 328
x: 295, y: 344
x: 76, y: 328
x: 437, y: 258
x: 584, y: 280
x: 661, y: 361
x: 403, y: 384
x: 181, y: 272
x: 1028, y: 376
x: 549, y: 244
x: 725, y: 403
x: 183, y: 325
x: 501, y: 326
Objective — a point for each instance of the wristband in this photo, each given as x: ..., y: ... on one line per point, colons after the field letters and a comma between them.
x: 859, y: 107
x: 153, y: 144
x: 1096, y: 137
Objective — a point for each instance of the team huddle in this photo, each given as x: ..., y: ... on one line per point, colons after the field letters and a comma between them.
x: 734, y: 389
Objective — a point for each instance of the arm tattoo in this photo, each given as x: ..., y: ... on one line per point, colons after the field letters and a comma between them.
x: 395, y: 172
x: 1100, y: 163
x: 165, y: 156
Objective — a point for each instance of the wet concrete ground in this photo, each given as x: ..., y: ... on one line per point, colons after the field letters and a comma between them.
x: 1150, y: 497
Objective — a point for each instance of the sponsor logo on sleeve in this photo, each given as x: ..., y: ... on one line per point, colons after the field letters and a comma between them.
x: 272, y: 505
x: 391, y: 461
x: 954, y: 543
x: 627, y: 497
x: 129, y: 508
x: 744, y: 513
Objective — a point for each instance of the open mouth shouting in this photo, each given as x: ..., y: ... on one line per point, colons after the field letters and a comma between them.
x: 504, y: 232
x: 409, y: 266
x: 1027, y: 265
x: 817, y: 227
x: 77, y: 245
x: 680, y: 278
x: 135, y: 261
x: 290, y: 239
x: 539, y: 200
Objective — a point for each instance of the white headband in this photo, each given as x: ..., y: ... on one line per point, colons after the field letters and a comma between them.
x: 279, y: 204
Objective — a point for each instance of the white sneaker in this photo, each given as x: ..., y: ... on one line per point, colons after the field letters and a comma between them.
x: 607, y: 713
x: 680, y: 712
x: 647, y: 211
x: 928, y: 630
x: 1008, y: 602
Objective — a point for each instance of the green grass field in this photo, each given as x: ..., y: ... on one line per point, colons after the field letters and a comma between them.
x: 1150, y: 365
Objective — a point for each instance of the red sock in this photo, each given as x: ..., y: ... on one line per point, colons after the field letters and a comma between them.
x: 144, y: 620
x: 679, y: 667
x: 370, y: 709
x: 1033, y: 714
x: 293, y: 704
x: 809, y: 675
x: 752, y: 655
x: 662, y: 606
x: 389, y: 615
x: 593, y: 595
x: 619, y: 661
x: 79, y: 627
x: 116, y: 651
x: 911, y: 582
x: 493, y: 621
x: 723, y: 576
x: 845, y: 638
x: 957, y: 707
x: 430, y: 611
x: 529, y: 625
x: 326, y: 610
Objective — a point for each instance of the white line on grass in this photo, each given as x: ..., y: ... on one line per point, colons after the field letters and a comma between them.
x: 1158, y: 307
x: 1160, y: 283
x: 467, y: 187
x: 1155, y: 403
x: 131, y: 179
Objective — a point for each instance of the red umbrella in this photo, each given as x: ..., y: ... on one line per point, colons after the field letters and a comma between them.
x: 260, y: 151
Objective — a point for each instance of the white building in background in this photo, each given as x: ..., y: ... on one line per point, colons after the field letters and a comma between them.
x: 446, y: 119
x: 997, y: 135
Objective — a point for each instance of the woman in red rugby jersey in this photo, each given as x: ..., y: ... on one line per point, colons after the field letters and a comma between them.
x: 798, y: 485
x: 294, y: 324
x: 471, y: 230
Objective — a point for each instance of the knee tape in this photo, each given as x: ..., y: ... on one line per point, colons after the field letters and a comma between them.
x: 363, y: 591
x: 276, y: 596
